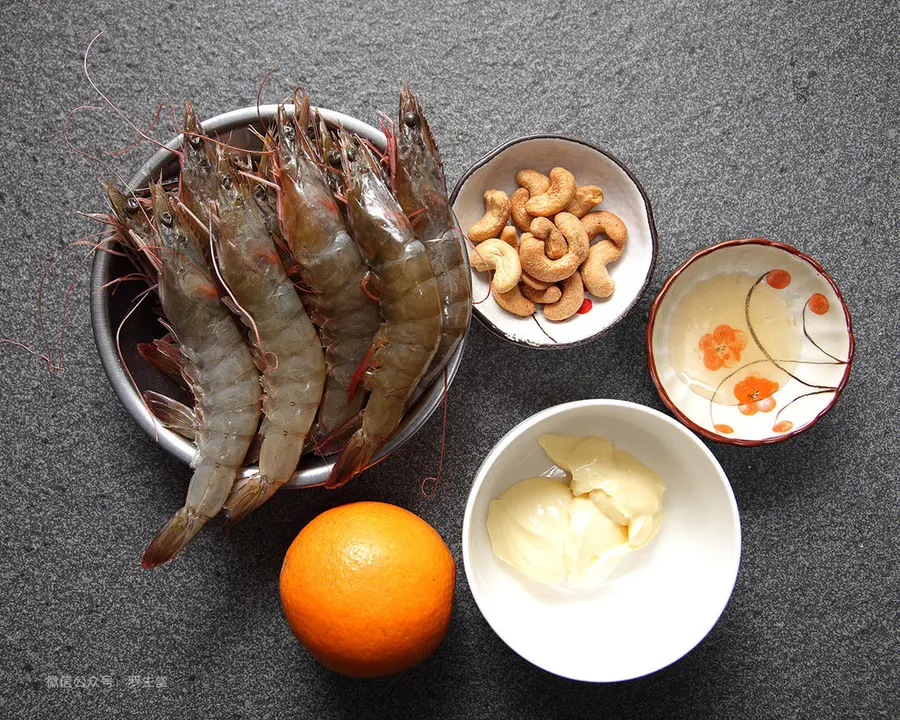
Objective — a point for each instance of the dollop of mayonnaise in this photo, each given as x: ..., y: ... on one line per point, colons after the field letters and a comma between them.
x: 625, y: 490
x: 578, y: 532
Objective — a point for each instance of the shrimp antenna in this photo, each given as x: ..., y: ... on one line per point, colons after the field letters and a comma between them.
x: 256, y: 133
x: 261, y: 180
x: 390, y: 152
x: 115, y: 282
x: 490, y: 277
x: 115, y: 108
x: 435, y: 481
x: 117, y: 153
x: 85, y: 153
x: 235, y: 148
x: 259, y: 93
x: 22, y: 346
x: 57, y: 366
x: 138, y: 300
x: 66, y: 301
x: 174, y: 118
x: 302, y: 120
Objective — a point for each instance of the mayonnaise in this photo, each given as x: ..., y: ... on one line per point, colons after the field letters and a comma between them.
x: 625, y: 490
x: 595, y: 545
x: 528, y: 525
x: 577, y: 533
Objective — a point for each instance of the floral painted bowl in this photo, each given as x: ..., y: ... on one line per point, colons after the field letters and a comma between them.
x: 749, y: 342
x: 623, y: 195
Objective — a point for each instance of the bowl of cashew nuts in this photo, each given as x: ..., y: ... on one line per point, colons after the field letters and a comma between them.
x: 561, y: 240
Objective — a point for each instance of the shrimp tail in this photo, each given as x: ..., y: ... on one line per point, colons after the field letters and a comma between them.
x: 247, y: 495
x: 355, y: 458
x: 177, y: 533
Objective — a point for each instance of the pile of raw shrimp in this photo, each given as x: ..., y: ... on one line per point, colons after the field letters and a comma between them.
x: 306, y: 288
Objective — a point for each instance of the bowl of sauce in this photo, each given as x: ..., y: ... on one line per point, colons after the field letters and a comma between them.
x: 749, y: 342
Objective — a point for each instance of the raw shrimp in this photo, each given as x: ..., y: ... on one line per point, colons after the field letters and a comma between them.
x: 131, y: 221
x: 417, y: 179
x: 331, y: 268
x: 410, y: 306
x: 267, y: 201
x: 220, y: 371
x: 290, y: 350
x: 198, y: 186
x: 329, y: 154
x: 265, y: 194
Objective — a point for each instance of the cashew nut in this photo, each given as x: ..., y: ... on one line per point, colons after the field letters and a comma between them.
x: 494, y: 254
x: 574, y: 233
x: 510, y: 236
x: 586, y: 196
x: 534, y: 182
x: 514, y: 302
x: 532, y: 283
x: 594, y: 272
x: 554, y: 243
x: 517, y: 209
x: 542, y: 297
x: 496, y: 215
x: 608, y: 224
x: 568, y: 304
x: 557, y: 196
x: 539, y: 266
x: 552, y: 263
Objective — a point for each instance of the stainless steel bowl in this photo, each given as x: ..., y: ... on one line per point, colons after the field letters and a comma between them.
x: 109, y: 306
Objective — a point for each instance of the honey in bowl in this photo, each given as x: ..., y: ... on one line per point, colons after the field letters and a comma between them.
x: 711, y: 337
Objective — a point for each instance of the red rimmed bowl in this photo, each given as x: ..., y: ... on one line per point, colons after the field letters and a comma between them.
x: 749, y: 342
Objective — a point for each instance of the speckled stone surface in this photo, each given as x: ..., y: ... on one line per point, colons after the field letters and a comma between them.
x: 741, y: 119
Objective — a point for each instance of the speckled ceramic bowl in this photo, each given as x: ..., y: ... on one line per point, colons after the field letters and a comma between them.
x: 623, y: 195
x: 749, y: 342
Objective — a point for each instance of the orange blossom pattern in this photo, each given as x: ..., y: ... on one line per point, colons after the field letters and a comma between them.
x: 818, y: 303
x: 754, y: 393
x: 778, y: 279
x: 722, y: 347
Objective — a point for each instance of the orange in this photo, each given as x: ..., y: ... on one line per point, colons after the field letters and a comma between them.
x: 368, y: 588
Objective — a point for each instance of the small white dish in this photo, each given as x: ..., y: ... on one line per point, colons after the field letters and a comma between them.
x: 661, y: 601
x: 623, y: 195
x: 785, y: 343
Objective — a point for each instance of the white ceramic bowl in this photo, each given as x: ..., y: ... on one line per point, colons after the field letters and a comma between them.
x: 623, y: 195
x: 661, y: 601
x: 792, y: 390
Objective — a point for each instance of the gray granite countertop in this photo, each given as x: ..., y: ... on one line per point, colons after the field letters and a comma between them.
x: 741, y: 119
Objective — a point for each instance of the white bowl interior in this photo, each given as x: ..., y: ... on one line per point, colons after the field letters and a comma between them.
x: 661, y: 600
x: 815, y: 372
x: 621, y: 196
